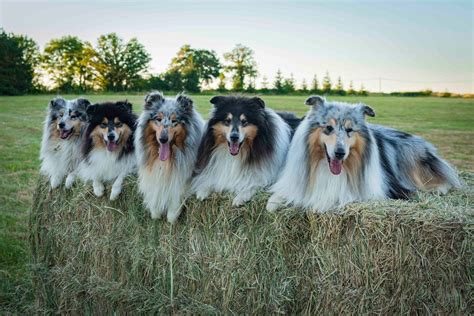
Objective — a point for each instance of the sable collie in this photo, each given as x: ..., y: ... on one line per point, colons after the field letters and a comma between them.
x: 243, y: 148
x: 61, y: 144
x: 168, y: 135
x: 108, y: 149
x: 336, y: 158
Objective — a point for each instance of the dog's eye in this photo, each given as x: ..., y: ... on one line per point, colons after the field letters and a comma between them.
x: 329, y: 129
x: 227, y: 122
x: 244, y: 122
x: 61, y: 114
x: 103, y: 125
x: 118, y: 124
x: 158, y: 119
x: 349, y: 130
x: 73, y: 117
x: 174, y: 121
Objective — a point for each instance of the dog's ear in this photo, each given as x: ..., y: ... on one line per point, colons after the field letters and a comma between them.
x: 91, y: 109
x: 315, y: 101
x: 259, y: 102
x: 184, y: 102
x: 127, y: 106
x: 366, y: 110
x: 217, y: 100
x: 57, y: 103
x: 153, y: 98
x: 82, y: 104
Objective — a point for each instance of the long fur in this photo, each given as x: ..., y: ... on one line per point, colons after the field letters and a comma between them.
x: 60, y: 157
x: 382, y: 162
x: 163, y: 184
x: 100, y: 165
x: 256, y: 166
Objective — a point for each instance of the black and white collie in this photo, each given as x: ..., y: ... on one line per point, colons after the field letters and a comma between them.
x: 243, y: 148
x: 61, y: 144
x: 108, y: 152
x: 167, y: 140
x: 336, y: 158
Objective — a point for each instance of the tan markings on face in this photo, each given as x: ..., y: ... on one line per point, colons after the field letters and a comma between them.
x: 250, y: 132
x: 54, y: 130
x: 353, y: 163
x: 123, y: 131
x: 329, y: 139
x: 97, y: 136
x: 220, y: 131
x: 77, y: 124
x: 316, y: 151
x: 151, y: 144
x: 348, y: 124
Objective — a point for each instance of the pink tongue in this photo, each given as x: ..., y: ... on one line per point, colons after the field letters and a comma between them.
x: 111, y: 146
x: 64, y: 133
x: 234, y: 148
x: 164, y: 151
x: 335, y: 166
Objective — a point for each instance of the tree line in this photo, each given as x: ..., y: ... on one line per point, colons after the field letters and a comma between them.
x: 69, y: 64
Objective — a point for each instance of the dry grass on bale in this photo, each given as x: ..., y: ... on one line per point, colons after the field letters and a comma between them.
x: 92, y: 255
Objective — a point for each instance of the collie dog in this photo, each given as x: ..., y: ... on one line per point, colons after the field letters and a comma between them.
x: 61, y: 144
x: 108, y: 151
x: 336, y: 158
x: 243, y: 148
x: 167, y: 139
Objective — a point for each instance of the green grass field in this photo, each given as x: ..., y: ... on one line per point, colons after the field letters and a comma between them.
x: 447, y: 123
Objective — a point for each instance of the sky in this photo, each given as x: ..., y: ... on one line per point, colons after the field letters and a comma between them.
x: 384, y: 45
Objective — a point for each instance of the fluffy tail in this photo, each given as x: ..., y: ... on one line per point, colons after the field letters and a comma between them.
x: 435, y: 173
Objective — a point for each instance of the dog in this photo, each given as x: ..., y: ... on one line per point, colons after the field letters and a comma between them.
x: 336, y: 158
x: 108, y: 149
x: 167, y: 139
x: 61, y: 144
x: 243, y: 148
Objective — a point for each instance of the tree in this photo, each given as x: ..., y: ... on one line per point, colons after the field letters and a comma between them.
x: 289, y: 84
x: 362, y: 90
x: 120, y: 63
x: 315, y: 85
x: 264, y: 84
x: 304, y: 86
x: 327, y: 84
x: 196, y: 66
x: 278, y: 83
x: 16, y: 64
x: 222, y: 81
x: 241, y: 64
x: 339, y: 89
x: 351, y: 90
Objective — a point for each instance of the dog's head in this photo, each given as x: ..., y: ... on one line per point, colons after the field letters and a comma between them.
x: 111, y: 124
x: 337, y: 127
x: 167, y: 120
x: 68, y: 116
x: 236, y: 120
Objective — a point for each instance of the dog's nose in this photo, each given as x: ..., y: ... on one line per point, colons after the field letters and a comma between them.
x: 110, y: 136
x: 234, y: 137
x: 61, y: 125
x: 340, y: 154
x: 163, y: 139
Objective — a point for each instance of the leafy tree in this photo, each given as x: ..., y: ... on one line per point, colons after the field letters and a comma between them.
x: 339, y: 87
x: 241, y: 64
x: 121, y: 64
x: 289, y: 84
x: 17, y: 55
x: 304, y: 86
x: 351, y: 90
x: 222, y: 81
x: 327, y: 84
x: 278, y: 83
x: 174, y: 81
x: 315, y: 85
x: 196, y: 66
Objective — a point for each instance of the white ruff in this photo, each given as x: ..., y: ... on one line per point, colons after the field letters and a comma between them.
x: 103, y: 165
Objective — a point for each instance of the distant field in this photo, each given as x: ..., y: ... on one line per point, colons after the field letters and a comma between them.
x: 447, y: 123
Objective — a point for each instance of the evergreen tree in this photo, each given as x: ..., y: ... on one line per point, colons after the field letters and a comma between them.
x: 327, y: 85
x: 339, y: 87
x: 278, y: 83
x: 289, y: 84
x: 315, y: 85
x: 264, y: 84
x: 304, y: 86
x: 351, y: 90
x: 362, y: 90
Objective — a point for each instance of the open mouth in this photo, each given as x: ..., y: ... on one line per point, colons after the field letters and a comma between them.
x: 164, y: 151
x: 335, y: 165
x: 234, y: 148
x: 111, y: 145
x: 64, y: 133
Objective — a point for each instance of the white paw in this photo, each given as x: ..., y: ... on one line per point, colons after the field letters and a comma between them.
x: 98, y: 189
x: 173, y: 216
x: 273, y: 203
x: 155, y: 214
x: 115, y: 193
x: 241, y: 198
x: 70, y: 181
x: 202, y: 194
x: 55, y: 182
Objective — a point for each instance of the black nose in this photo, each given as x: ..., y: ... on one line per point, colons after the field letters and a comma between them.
x: 163, y: 139
x: 110, y: 136
x: 61, y: 125
x: 340, y: 154
x: 234, y: 137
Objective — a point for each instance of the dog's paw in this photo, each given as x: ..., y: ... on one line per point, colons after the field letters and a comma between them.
x: 173, y: 216
x: 70, y: 181
x: 202, y: 194
x: 98, y: 189
x: 114, y: 194
x: 55, y: 182
x: 273, y: 203
x: 241, y: 198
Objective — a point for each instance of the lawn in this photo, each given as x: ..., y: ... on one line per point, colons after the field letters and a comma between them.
x: 447, y: 123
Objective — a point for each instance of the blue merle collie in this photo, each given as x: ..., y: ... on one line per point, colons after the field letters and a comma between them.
x: 108, y: 151
x: 61, y: 144
x: 336, y: 158
x: 167, y: 140
x: 243, y: 148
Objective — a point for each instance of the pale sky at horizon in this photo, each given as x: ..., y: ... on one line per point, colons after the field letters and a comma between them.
x: 417, y: 45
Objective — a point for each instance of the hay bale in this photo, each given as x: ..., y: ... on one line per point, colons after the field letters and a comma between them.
x: 96, y: 256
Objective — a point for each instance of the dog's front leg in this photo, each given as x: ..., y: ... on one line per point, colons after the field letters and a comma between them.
x: 70, y: 179
x: 98, y: 187
x: 117, y: 187
x: 274, y: 202
x: 55, y: 181
x: 203, y: 193
x: 243, y: 196
x: 174, y: 210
